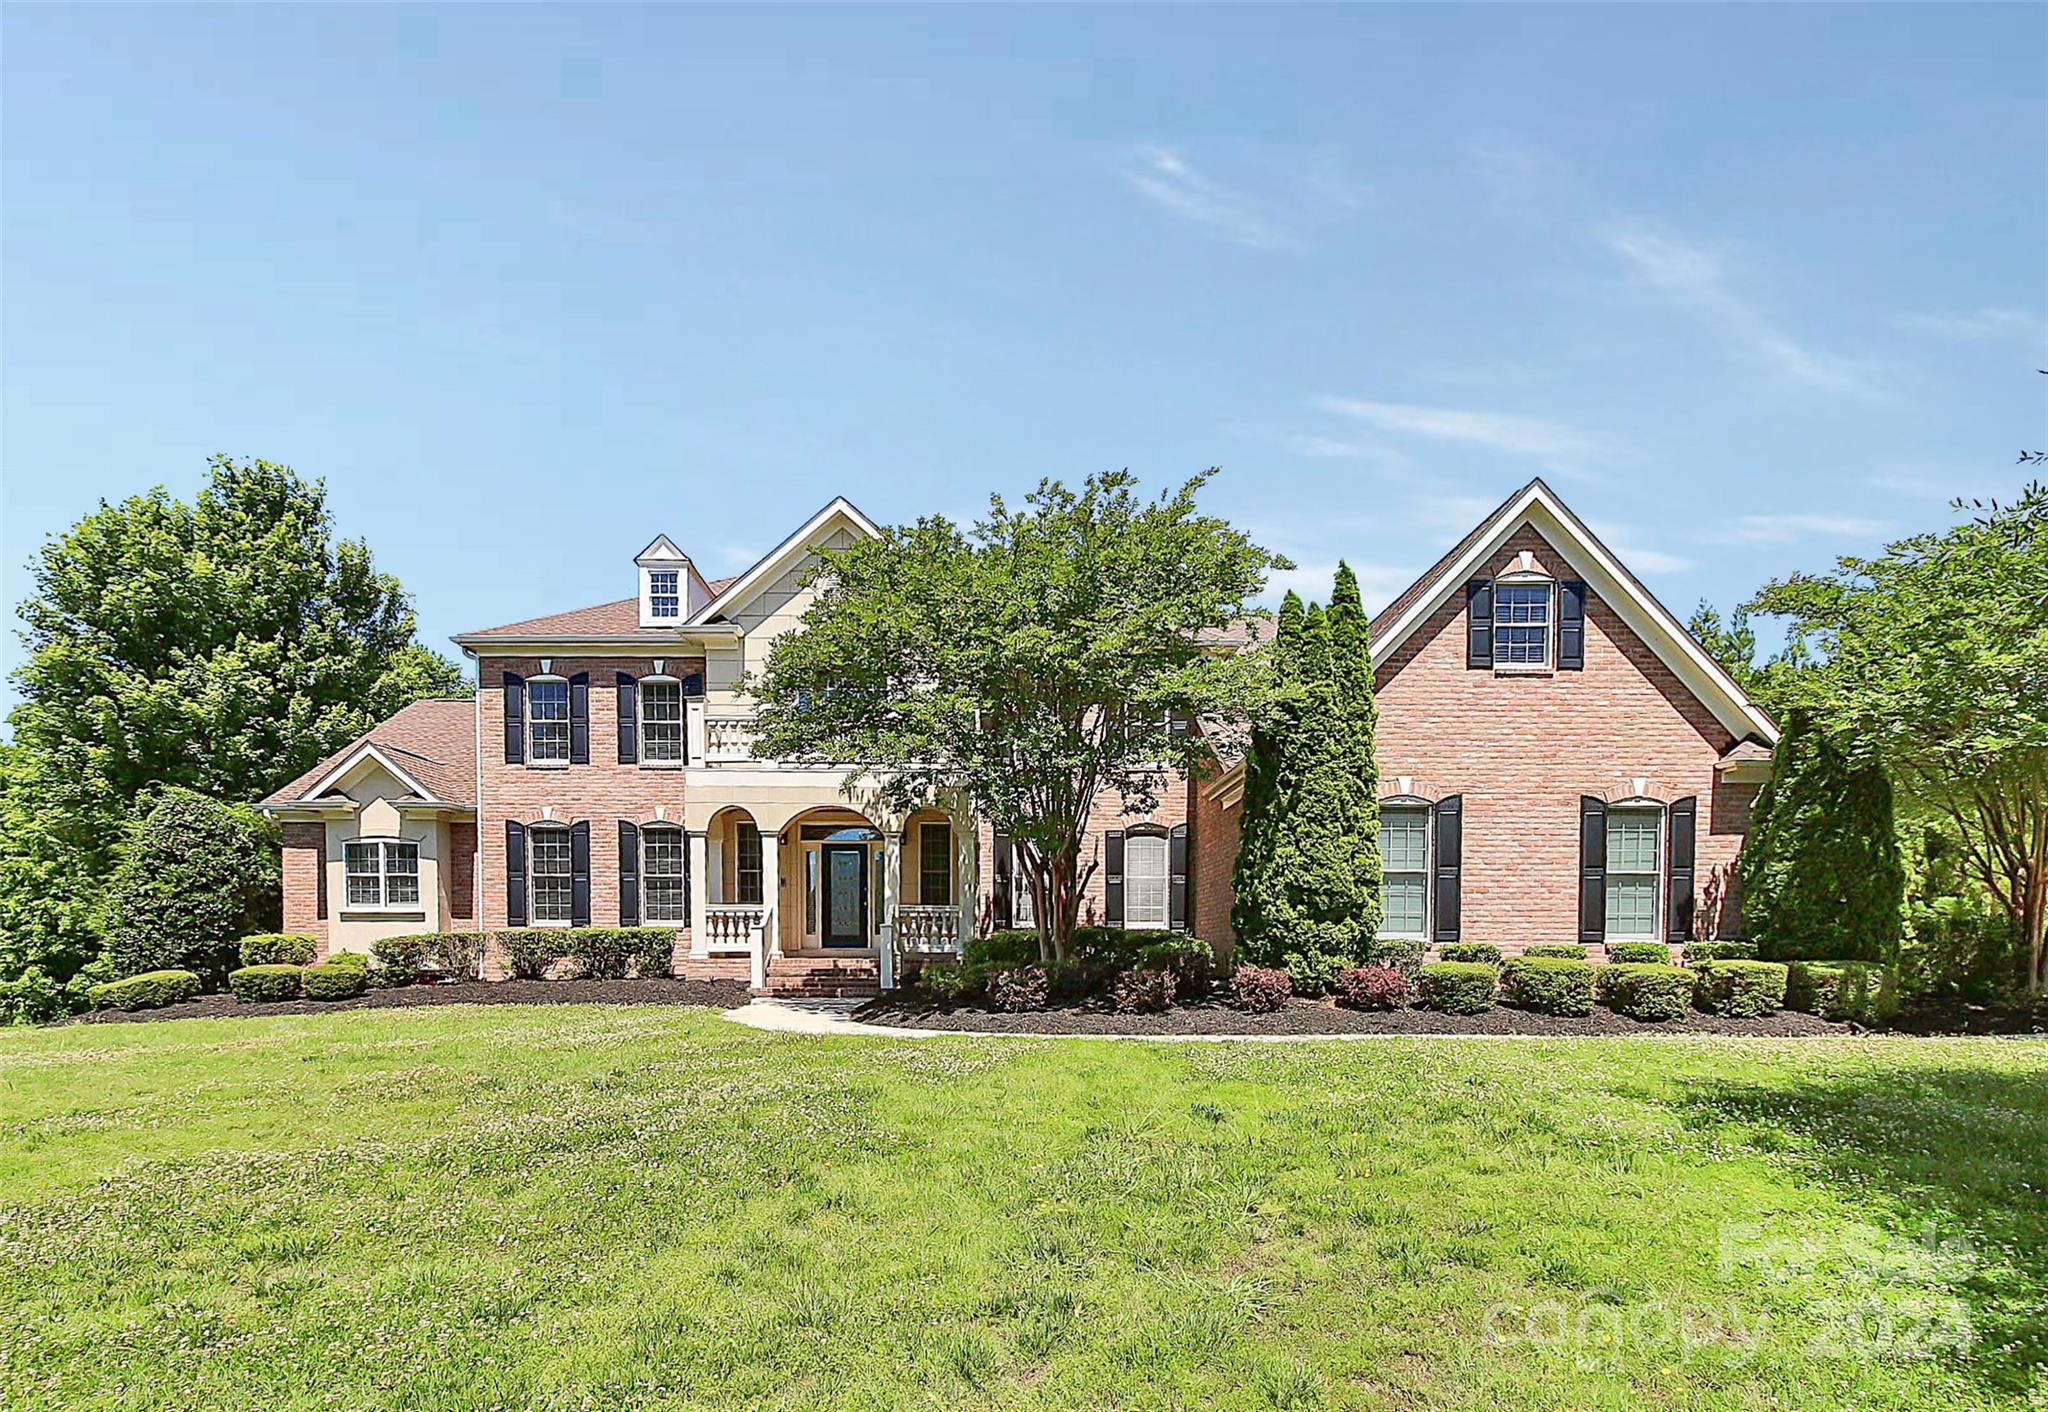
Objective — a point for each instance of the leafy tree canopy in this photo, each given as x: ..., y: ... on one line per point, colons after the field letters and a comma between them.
x: 1029, y: 664
x: 195, y: 876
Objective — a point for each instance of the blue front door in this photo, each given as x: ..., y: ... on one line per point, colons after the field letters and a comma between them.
x: 846, y: 894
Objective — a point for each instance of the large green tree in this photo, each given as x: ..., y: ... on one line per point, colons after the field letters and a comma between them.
x: 1259, y: 912
x: 223, y: 645
x: 1935, y: 655
x: 1358, y: 715
x: 1026, y: 666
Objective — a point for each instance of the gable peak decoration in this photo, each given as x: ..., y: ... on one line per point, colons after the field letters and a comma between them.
x: 839, y: 511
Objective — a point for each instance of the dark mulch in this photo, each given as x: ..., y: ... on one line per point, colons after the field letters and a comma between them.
x: 1960, y: 1017
x: 722, y: 994
x: 1302, y: 1017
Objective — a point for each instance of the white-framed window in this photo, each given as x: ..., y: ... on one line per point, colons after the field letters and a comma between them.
x: 935, y: 865
x: 550, y: 885
x: 1521, y: 623
x: 661, y: 721
x: 547, y: 720
x: 1023, y: 911
x: 1404, y: 858
x: 382, y: 873
x: 1634, y: 836
x: 664, y: 593
x: 664, y: 874
x: 1145, y: 880
x: 746, y: 866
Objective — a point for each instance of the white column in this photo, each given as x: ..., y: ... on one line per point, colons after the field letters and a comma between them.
x: 700, y: 894
x: 693, y: 729
x: 892, y: 897
x: 771, y: 889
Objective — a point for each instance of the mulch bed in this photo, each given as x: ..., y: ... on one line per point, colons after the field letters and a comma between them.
x: 722, y: 994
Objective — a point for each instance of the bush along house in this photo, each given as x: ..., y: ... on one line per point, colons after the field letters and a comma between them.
x: 1559, y: 761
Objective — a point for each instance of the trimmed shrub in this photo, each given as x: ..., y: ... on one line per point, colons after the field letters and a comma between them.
x: 265, y: 982
x: 1121, y: 947
x: 1189, y: 958
x: 952, y: 982
x: 336, y: 978
x: 1372, y: 988
x: 1396, y: 953
x: 1555, y: 951
x: 1484, y: 952
x: 1862, y: 991
x: 1643, y: 990
x: 1014, y: 947
x: 1742, y: 990
x: 194, y: 877
x: 1260, y: 989
x: 149, y: 991
x: 1314, y: 973
x: 531, y: 952
x: 1548, y: 985
x: 458, y: 954
x: 1143, y: 992
x: 1015, y: 989
x: 1455, y: 987
x: 399, y: 958
x: 1638, y: 953
x: 1074, y: 980
x: 279, y: 949
x: 1719, y: 951
x: 602, y: 953
x: 654, y: 953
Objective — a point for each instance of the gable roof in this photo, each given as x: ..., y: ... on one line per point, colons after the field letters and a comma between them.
x: 619, y: 618
x: 740, y: 591
x: 430, y: 746
x: 1537, y: 505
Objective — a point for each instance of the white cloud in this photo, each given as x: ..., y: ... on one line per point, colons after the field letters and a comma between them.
x: 1985, y: 323
x: 1628, y: 542
x: 1547, y: 441
x: 1692, y: 277
x: 1377, y: 583
x: 737, y: 556
x: 1166, y: 178
x: 1784, y: 529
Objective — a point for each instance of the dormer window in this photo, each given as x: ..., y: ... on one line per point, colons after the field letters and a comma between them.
x: 664, y: 593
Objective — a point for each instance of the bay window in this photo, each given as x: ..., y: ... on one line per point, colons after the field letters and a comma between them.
x: 381, y: 873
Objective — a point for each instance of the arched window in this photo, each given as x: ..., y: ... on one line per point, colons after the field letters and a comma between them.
x: 550, y: 884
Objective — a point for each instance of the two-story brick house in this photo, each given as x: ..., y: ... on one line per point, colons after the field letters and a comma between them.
x: 1558, y: 758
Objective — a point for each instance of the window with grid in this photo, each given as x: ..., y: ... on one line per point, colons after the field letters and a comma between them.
x: 1145, y: 880
x: 663, y: 875
x: 547, y: 719
x: 661, y: 721
x: 935, y: 865
x: 1632, y: 837
x: 1521, y: 624
x: 1404, y: 855
x: 549, y: 885
x: 381, y: 873
x: 664, y: 593
x: 747, y: 865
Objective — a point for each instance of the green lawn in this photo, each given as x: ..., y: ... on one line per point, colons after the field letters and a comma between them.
x: 572, y: 1207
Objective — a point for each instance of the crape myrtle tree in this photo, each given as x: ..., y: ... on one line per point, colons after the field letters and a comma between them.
x: 1935, y: 655
x: 1041, y: 659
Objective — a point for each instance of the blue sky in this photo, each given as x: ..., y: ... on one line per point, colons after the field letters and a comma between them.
x: 1751, y: 286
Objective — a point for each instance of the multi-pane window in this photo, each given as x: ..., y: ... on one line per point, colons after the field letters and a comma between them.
x: 935, y: 865
x: 382, y: 873
x: 1521, y: 624
x: 1404, y: 855
x: 746, y: 872
x: 547, y: 718
x: 1145, y: 880
x: 661, y: 721
x: 664, y: 875
x: 548, y: 876
x: 1632, y: 873
x: 664, y: 593
x: 1023, y: 911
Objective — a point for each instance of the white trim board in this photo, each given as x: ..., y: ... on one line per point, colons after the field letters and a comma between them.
x: 741, y: 590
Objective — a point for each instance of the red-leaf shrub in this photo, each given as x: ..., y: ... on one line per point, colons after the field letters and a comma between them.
x: 1143, y: 992
x: 1018, y: 988
x: 1372, y: 988
x: 1261, y: 988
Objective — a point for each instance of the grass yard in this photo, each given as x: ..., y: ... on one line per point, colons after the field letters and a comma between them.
x: 571, y: 1207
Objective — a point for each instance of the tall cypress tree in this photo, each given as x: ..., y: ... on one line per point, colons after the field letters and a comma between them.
x: 1820, y: 871
x: 1351, y: 670
x: 1254, y: 911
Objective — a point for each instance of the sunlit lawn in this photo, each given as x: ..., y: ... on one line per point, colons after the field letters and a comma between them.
x: 572, y: 1207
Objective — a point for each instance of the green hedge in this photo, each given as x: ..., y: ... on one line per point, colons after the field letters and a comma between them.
x: 401, y: 958
x: 1644, y: 990
x: 1398, y: 953
x: 1862, y: 991
x: 266, y: 982
x: 1314, y: 973
x: 1013, y: 946
x: 1548, y: 985
x: 459, y: 954
x: 1455, y: 987
x: 952, y: 982
x: 336, y: 978
x: 278, y: 949
x: 1638, y: 953
x: 531, y: 952
x: 1719, y: 951
x: 149, y: 991
x: 1556, y: 951
x: 1484, y: 952
x: 1742, y: 990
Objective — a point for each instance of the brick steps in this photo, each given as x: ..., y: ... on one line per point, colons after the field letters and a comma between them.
x: 824, y: 977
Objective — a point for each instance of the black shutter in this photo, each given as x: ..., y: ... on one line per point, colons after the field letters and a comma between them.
x: 1000, y: 910
x: 515, y: 719
x: 579, y: 875
x: 629, y: 721
x: 515, y: 874
x: 1592, y: 869
x: 1678, y: 867
x: 1177, y: 875
x: 579, y: 719
x: 1571, y: 627
x: 1479, y: 623
x: 1113, y: 878
x: 1447, y: 901
x: 629, y: 873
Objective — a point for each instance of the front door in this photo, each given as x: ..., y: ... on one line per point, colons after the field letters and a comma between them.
x: 845, y: 904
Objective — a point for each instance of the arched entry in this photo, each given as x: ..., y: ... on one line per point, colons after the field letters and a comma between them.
x: 836, y: 897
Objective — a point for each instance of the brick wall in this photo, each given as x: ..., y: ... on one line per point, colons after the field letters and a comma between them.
x: 461, y: 873
x: 1213, y: 858
x: 1523, y: 749
x: 305, y: 848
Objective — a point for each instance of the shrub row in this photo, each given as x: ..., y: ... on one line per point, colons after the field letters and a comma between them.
x: 1455, y: 987
x: 278, y: 949
x: 265, y: 981
x: 602, y: 953
x: 1549, y: 985
x: 1742, y: 990
x: 1638, y: 953
x: 151, y: 990
x: 1645, y: 990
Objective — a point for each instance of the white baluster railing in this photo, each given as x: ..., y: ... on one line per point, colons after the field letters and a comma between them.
x: 729, y: 927
x: 728, y: 738
x: 928, y: 928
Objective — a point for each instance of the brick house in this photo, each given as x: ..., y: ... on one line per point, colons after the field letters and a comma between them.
x: 1559, y: 760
